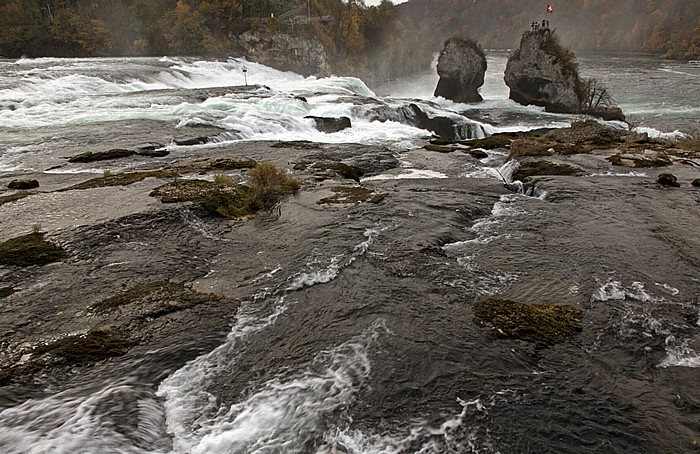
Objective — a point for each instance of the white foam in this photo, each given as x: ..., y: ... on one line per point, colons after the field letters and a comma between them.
x: 407, y: 174
x: 656, y: 134
x: 615, y: 290
x: 680, y: 354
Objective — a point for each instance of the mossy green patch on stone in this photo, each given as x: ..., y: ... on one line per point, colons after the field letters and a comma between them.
x: 492, y: 142
x: 541, y: 323
x: 29, y: 250
x: 355, y: 194
x: 534, y: 168
x: 121, y: 179
x: 529, y: 147
x: 95, y: 345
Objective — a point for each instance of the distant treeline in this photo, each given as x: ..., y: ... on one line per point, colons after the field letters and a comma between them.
x: 383, y: 41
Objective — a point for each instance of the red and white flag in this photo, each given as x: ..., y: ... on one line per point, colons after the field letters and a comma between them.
x: 550, y: 9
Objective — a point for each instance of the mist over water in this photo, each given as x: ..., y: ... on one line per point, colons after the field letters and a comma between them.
x: 352, y: 330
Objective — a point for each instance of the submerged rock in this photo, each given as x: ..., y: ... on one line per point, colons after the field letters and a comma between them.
x: 546, y: 323
x: 461, y: 67
x: 330, y: 125
x: 90, y: 156
x: 23, y: 184
x: 668, y: 179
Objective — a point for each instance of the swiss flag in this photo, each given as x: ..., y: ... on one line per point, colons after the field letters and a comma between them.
x: 550, y: 9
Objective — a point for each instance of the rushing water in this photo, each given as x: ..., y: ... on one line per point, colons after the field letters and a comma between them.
x: 354, y: 332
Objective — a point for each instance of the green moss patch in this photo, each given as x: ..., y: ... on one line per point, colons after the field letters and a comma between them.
x: 29, y: 250
x: 541, y: 323
x: 640, y: 161
x: 267, y: 186
x: 689, y: 144
x: 529, y: 147
x: 534, y: 168
x: 357, y: 194
x: 492, y: 142
x: 95, y: 345
x: 121, y: 179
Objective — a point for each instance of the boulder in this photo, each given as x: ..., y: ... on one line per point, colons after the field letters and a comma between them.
x: 23, y: 184
x: 667, y: 179
x: 330, y: 125
x: 89, y: 156
x: 541, y: 72
x: 461, y: 67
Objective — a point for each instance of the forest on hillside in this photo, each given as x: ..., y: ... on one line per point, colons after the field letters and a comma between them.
x: 381, y: 41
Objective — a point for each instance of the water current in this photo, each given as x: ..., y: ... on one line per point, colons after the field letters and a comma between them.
x: 352, y: 328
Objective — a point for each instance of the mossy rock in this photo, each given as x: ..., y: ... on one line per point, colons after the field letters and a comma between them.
x: 6, y: 291
x: 23, y: 184
x: 695, y: 182
x: 441, y: 148
x: 535, y: 168
x: 121, y: 179
x: 692, y: 144
x: 342, y: 169
x: 90, y: 156
x: 545, y: 324
x: 492, y: 142
x: 301, y: 144
x: 346, y: 194
x: 29, y: 250
x: 13, y: 197
x: 529, y: 147
x: 640, y: 161
x: 96, y: 345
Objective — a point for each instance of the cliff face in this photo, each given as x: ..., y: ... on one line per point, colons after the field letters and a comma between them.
x: 461, y: 67
x: 285, y: 52
x: 542, y: 73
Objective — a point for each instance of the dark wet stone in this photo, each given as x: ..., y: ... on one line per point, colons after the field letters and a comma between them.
x: 102, y: 155
x: 667, y: 179
x: 330, y: 125
x: 192, y: 141
x: 23, y: 184
x: 696, y: 182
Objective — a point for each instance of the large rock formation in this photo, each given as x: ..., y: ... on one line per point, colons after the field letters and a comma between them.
x: 543, y: 73
x: 461, y: 67
x: 285, y: 52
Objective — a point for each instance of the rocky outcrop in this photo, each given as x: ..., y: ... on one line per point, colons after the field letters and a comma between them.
x: 461, y: 67
x: 329, y: 124
x: 543, y: 73
x: 285, y: 52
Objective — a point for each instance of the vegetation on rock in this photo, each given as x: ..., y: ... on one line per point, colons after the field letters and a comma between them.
x: 29, y: 250
x: 267, y: 186
x: 342, y: 169
x: 534, y: 168
x: 546, y: 323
